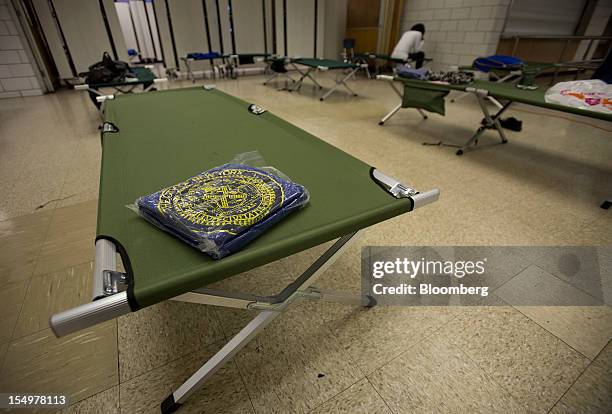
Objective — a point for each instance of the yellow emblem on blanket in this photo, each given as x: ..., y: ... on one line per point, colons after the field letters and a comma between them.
x: 223, y: 200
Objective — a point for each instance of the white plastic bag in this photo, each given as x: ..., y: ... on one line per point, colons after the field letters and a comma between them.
x: 592, y: 95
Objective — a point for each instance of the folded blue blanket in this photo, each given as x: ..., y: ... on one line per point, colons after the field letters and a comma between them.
x: 410, y: 73
x: 201, y: 56
x: 221, y: 210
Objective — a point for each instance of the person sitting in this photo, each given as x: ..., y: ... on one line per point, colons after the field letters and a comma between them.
x: 410, y: 44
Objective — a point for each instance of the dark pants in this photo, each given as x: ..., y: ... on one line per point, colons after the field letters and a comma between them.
x: 418, y: 58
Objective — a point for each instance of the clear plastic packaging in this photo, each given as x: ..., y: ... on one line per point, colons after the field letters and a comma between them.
x: 591, y: 94
x: 221, y: 210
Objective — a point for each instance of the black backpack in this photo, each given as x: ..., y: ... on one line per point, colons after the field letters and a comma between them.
x: 106, y: 71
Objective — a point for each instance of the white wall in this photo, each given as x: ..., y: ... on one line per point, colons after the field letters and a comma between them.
x: 85, y: 33
x: 457, y: 31
x: 87, y: 39
x: 300, y: 27
x: 596, y: 27
x: 544, y: 17
x: 248, y: 24
x: 17, y: 76
x: 334, y: 26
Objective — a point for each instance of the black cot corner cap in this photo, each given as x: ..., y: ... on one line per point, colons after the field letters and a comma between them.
x: 109, y: 127
x: 169, y: 405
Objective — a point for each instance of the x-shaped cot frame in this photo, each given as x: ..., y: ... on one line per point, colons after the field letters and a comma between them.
x: 296, y: 85
x: 491, y: 121
x: 109, y: 288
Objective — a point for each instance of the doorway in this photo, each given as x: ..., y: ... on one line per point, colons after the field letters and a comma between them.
x: 362, y: 24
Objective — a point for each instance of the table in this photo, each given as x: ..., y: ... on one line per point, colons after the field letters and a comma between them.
x: 157, y: 139
x: 141, y: 76
x: 425, y: 95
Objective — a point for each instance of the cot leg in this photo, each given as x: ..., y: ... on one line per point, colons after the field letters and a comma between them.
x: 343, y: 83
x: 269, y: 311
x: 189, y: 72
x: 495, y: 102
x: 313, y: 80
x: 274, y: 75
x: 422, y: 113
x: 390, y: 114
x: 471, y: 141
x: 298, y: 84
x: 490, y: 121
x: 461, y: 96
x: 178, y: 397
x: 607, y: 204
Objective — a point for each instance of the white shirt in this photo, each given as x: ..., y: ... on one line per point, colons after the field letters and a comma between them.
x: 410, y: 42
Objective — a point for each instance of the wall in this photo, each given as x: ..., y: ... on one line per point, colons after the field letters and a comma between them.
x: 544, y: 17
x: 595, y: 27
x: 457, y: 31
x: 85, y: 33
x: 17, y: 77
x: 334, y: 27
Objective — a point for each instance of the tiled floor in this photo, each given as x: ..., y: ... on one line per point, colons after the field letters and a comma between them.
x: 543, y: 188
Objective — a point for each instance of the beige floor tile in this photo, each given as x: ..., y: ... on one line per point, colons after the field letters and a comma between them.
x: 82, y: 183
x: 360, y: 398
x: 105, y: 402
x: 52, y: 293
x: 223, y: 393
x: 591, y: 393
x: 11, y: 301
x: 437, y: 376
x: 34, y: 191
x: 21, y: 239
x: 17, y: 269
x: 3, y: 350
x: 373, y: 337
x: 587, y: 329
x: 78, y: 365
x: 60, y: 255
x: 70, y: 239
x: 72, y: 219
x: 22, y: 232
x: 162, y: 333
x: 529, y: 362
x: 295, y: 364
x: 582, y: 267
x: 536, y: 287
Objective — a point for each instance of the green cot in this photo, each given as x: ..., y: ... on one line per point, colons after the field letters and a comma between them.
x: 150, y: 141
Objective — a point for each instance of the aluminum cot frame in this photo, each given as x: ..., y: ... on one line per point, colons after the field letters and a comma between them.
x: 127, y: 88
x: 111, y: 301
x: 297, y: 84
x: 491, y: 121
x: 230, y: 63
x: 340, y: 81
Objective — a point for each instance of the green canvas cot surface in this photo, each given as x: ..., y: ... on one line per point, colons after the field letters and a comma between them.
x: 425, y: 96
x: 143, y: 75
x: 504, y: 91
x: 379, y: 56
x: 328, y: 63
x: 167, y: 136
